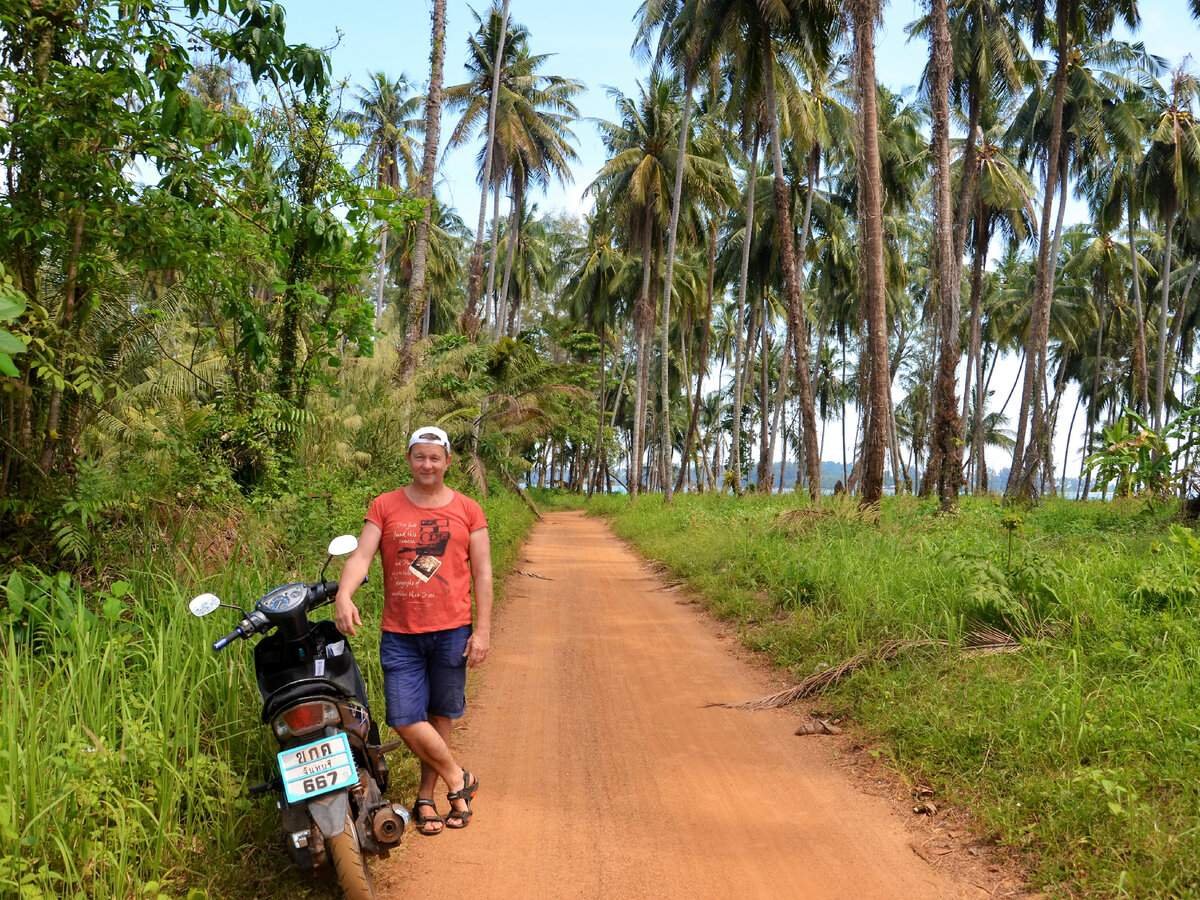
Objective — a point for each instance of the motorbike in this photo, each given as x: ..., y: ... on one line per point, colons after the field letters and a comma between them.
x: 330, y: 774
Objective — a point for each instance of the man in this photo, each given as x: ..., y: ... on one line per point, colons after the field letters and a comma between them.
x: 433, y: 542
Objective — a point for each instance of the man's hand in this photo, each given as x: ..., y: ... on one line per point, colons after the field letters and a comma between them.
x: 345, y: 616
x: 478, y: 645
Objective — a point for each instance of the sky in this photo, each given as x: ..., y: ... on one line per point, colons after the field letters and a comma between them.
x: 590, y: 42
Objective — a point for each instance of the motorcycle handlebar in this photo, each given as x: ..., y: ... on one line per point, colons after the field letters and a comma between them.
x: 224, y: 642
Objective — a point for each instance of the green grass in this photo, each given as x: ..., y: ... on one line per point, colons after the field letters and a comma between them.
x: 126, y: 744
x: 1083, y: 749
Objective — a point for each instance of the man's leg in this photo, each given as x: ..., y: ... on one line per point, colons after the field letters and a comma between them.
x: 429, y: 775
x: 428, y: 743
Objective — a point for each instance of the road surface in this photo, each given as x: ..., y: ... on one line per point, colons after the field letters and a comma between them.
x: 604, y: 776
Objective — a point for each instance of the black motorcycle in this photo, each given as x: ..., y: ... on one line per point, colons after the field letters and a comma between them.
x: 330, y: 773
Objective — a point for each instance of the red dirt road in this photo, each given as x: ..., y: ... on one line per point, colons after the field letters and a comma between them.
x: 603, y: 775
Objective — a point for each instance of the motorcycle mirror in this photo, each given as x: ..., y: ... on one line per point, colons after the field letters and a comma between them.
x: 343, y: 544
x: 204, y: 604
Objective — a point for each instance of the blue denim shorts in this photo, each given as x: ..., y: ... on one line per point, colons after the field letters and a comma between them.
x: 424, y: 674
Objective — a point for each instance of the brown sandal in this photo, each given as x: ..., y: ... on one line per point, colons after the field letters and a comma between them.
x: 466, y: 794
x: 421, y: 820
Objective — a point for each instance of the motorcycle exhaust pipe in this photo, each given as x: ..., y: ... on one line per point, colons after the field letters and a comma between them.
x: 388, y: 823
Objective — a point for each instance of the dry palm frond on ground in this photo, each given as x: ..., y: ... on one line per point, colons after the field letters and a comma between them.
x: 982, y: 640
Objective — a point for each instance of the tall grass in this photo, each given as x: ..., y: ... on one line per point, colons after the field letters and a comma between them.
x: 126, y: 744
x: 1083, y: 749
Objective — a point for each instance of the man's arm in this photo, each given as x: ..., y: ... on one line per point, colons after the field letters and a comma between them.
x: 481, y: 575
x: 345, y: 613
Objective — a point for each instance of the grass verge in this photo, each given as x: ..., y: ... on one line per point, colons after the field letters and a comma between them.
x: 1083, y: 749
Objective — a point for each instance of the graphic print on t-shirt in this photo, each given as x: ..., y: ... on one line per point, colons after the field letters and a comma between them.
x: 432, y: 537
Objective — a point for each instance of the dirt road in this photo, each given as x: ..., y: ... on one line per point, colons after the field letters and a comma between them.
x: 603, y: 775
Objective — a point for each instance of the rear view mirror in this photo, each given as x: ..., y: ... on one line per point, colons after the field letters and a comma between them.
x: 343, y: 544
x: 204, y: 604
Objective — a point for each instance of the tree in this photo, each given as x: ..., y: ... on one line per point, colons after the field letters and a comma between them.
x: 417, y: 290
x: 636, y: 181
x: 385, y: 123
x: 864, y: 14
x: 491, y: 50
x: 75, y: 229
x: 1171, y: 181
x: 1075, y: 22
x: 947, y: 444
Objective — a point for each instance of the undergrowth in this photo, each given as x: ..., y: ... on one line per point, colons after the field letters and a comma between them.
x: 1083, y: 749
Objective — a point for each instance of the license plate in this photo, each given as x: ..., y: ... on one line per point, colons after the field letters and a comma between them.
x: 320, y: 767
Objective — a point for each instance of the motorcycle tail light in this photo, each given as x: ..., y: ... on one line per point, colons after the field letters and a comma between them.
x: 305, y: 717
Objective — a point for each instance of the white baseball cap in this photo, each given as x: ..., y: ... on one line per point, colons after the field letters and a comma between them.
x: 430, y: 435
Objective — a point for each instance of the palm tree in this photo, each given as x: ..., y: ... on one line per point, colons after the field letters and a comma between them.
x: 1112, y: 186
x: 808, y: 28
x: 417, y: 298
x: 532, y: 139
x: 1171, y: 181
x: 864, y: 14
x: 1076, y: 21
x: 946, y: 425
x: 486, y: 63
x: 386, y: 122
x: 596, y: 292
x: 636, y: 181
x: 1003, y: 196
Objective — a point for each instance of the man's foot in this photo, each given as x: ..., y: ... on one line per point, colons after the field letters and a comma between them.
x: 460, y: 801
x: 427, y: 824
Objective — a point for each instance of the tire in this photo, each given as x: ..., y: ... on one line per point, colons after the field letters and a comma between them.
x: 350, y: 865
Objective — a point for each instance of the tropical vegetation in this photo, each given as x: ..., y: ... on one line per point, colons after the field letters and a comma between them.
x: 230, y: 282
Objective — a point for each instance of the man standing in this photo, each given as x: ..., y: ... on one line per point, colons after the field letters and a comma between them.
x: 433, y: 542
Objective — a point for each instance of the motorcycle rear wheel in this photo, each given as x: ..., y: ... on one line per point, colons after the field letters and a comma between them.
x: 350, y: 864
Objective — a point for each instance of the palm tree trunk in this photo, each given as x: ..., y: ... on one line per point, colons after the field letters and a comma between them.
x: 668, y: 275
x: 514, y: 237
x: 702, y: 353
x: 865, y: 13
x: 1025, y: 460
x: 601, y: 403
x: 845, y: 470
x: 781, y: 392
x: 764, y: 387
x: 418, y: 298
x: 966, y: 185
x: 1160, y: 364
x: 797, y: 323
x: 470, y: 319
x: 1067, y: 451
x: 643, y: 323
x: 1141, y: 371
x: 490, y: 297
x: 735, y: 453
x: 947, y: 427
x: 982, y: 233
x: 381, y: 274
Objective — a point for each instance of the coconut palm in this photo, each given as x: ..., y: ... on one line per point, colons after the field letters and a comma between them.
x: 532, y: 146
x: 1076, y: 22
x: 635, y: 181
x: 488, y: 55
x: 417, y: 297
x: 386, y: 121
x: 1170, y: 176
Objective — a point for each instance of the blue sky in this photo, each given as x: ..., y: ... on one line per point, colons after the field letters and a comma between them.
x: 590, y: 42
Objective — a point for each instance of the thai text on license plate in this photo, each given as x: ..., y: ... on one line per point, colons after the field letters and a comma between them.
x: 320, y: 767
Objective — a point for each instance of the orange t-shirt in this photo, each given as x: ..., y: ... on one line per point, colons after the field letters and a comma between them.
x: 426, y: 565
